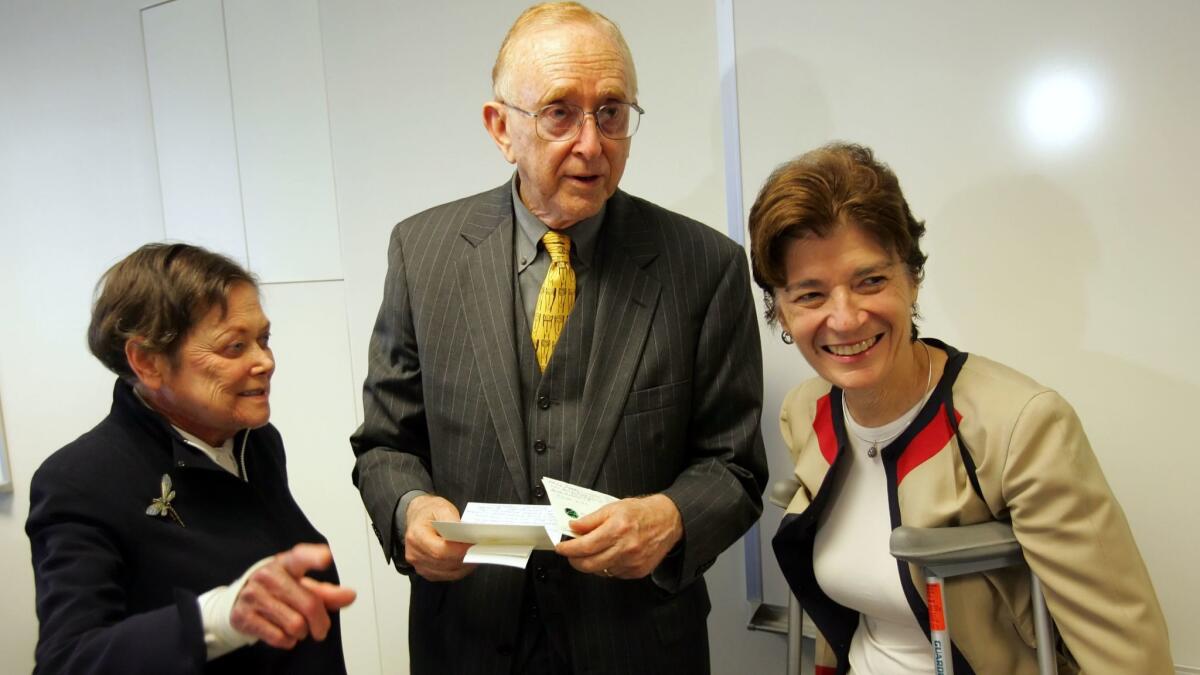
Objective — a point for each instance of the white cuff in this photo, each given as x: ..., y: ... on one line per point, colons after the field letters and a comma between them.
x: 216, y: 605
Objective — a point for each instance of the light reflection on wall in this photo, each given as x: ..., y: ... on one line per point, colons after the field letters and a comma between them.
x: 1060, y: 109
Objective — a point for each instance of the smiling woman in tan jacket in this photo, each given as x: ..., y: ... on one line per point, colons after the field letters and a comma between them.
x: 898, y: 430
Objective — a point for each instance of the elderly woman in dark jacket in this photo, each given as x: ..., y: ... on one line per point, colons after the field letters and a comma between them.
x: 165, y: 540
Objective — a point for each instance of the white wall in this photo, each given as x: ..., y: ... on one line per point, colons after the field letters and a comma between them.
x: 1069, y: 256
x: 1070, y: 265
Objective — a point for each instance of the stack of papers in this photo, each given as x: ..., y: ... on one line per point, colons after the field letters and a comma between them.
x: 507, y: 534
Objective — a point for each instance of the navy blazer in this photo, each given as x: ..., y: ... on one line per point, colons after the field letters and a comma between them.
x: 117, y: 588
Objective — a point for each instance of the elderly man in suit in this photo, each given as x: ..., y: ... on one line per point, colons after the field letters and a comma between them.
x: 558, y: 327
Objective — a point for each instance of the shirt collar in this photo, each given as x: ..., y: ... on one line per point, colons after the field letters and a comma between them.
x: 225, y: 448
x: 221, y: 455
x: 583, y: 234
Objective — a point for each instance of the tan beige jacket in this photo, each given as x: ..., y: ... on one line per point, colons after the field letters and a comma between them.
x: 1019, y: 455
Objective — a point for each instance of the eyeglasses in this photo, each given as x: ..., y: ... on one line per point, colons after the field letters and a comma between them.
x: 562, y: 121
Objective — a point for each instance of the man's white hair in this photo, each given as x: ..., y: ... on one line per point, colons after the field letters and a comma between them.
x: 547, y: 15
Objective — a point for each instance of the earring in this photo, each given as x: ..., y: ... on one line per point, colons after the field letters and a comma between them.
x: 787, y: 338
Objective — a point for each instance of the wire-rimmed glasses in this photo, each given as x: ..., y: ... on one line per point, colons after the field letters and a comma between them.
x: 562, y: 121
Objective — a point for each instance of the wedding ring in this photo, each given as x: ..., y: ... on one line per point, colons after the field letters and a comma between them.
x: 607, y: 573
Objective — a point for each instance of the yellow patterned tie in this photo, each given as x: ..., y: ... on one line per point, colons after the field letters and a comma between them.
x: 556, y: 298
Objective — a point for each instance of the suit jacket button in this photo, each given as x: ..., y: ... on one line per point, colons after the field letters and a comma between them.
x: 504, y: 650
x: 539, y: 492
x: 539, y: 446
x: 544, y: 402
x: 540, y: 574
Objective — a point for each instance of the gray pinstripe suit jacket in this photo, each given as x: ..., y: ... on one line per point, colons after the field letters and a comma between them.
x: 671, y: 403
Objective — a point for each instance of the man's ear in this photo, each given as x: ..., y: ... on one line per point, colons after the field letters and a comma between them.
x: 149, y: 367
x: 495, y: 120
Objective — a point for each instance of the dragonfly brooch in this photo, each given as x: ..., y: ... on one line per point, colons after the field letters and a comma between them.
x: 161, y: 506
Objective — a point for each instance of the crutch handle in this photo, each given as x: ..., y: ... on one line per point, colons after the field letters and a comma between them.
x: 782, y: 492
x: 950, y: 551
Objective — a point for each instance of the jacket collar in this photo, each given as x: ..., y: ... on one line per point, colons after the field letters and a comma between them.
x: 830, y: 423
x: 624, y: 226
x: 127, y: 408
x: 628, y: 298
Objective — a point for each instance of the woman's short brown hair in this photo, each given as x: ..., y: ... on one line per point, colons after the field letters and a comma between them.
x: 157, y: 293
x: 811, y: 195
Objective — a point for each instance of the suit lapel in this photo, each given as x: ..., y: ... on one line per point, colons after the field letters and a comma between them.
x: 485, y: 284
x: 628, y: 299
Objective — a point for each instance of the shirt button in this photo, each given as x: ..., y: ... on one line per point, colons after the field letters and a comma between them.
x: 544, y: 402
x: 539, y: 492
x: 539, y: 446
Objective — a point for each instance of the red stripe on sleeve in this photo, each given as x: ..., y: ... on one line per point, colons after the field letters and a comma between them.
x: 823, y: 425
x: 927, y: 443
x: 825, y: 670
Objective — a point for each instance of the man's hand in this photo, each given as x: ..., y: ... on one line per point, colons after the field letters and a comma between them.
x: 430, y: 555
x: 626, y: 539
x: 281, y: 606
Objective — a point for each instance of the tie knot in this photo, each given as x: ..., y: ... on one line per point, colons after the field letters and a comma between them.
x: 558, y: 245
